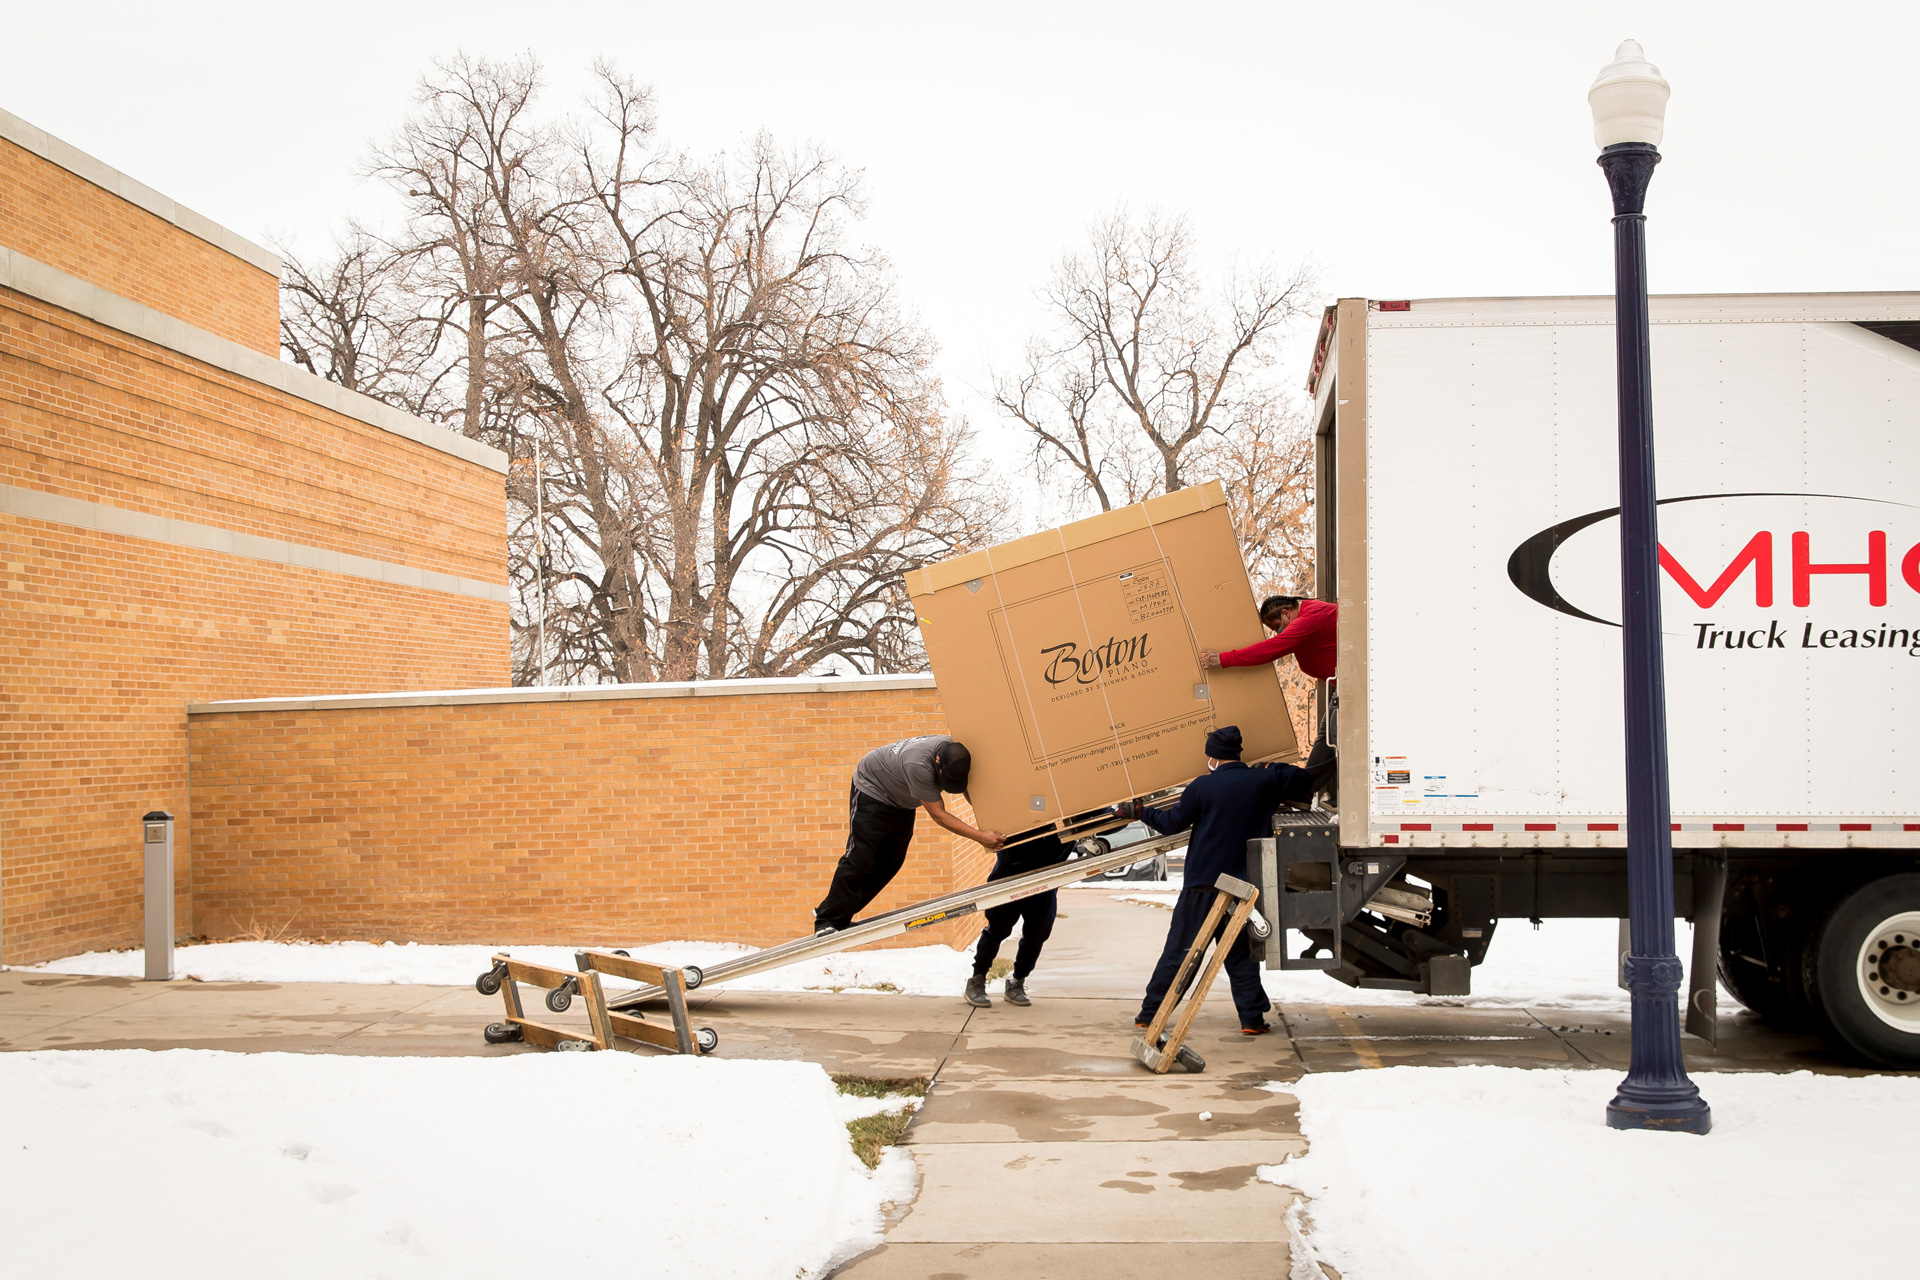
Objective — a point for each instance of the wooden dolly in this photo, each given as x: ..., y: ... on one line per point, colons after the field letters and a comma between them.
x: 603, y: 1024
x: 505, y: 977
x: 682, y: 1038
x: 1159, y: 1052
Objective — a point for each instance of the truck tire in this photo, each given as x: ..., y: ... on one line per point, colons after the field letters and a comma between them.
x: 1777, y: 990
x: 1865, y: 971
x: 1759, y: 988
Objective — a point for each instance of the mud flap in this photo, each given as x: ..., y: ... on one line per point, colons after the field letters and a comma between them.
x: 1703, y: 975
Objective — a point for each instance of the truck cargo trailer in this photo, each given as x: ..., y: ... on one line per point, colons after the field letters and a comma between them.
x: 1468, y: 497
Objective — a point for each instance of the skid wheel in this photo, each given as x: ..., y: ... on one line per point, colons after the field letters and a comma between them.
x: 561, y: 996
x: 488, y: 983
x: 574, y: 1046
x: 691, y: 976
x: 617, y: 951
x: 501, y: 1033
x: 1190, y: 1060
x: 1257, y: 926
x: 707, y: 1038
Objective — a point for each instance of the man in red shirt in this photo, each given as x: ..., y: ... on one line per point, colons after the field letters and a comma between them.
x: 1310, y: 631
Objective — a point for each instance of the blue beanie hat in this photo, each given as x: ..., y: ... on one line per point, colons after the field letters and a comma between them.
x: 1224, y: 743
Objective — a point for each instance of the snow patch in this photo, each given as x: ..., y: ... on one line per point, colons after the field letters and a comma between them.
x: 929, y: 971
x: 192, y: 1163
x: 1797, y: 1178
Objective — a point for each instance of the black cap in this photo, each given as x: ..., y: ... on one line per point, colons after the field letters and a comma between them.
x: 1224, y: 743
x: 953, y: 767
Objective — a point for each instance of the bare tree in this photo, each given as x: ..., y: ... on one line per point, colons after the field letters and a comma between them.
x: 1148, y: 380
x: 1145, y: 368
x: 1266, y: 468
x: 348, y: 319
x: 741, y: 448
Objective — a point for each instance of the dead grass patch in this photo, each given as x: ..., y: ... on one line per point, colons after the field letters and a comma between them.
x: 872, y: 1135
x: 882, y: 1086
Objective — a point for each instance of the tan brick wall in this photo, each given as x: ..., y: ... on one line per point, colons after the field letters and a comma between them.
x: 65, y: 221
x: 103, y: 642
x: 104, y: 639
x: 89, y: 412
x: 603, y: 822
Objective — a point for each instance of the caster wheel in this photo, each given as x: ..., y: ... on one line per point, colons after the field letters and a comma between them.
x: 501, y: 1033
x: 692, y: 976
x: 617, y: 951
x: 1257, y: 926
x: 574, y: 1046
x: 707, y: 1038
x: 559, y: 998
x: 488, y: 983
x: 1190, y: 1060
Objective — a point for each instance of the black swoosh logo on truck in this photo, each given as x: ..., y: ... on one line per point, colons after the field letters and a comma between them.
x: 1530, y: 567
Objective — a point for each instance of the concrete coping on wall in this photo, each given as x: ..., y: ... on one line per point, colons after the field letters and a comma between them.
x: 569, y: 693
x: 103, y: 175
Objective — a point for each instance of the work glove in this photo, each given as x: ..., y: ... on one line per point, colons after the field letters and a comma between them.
x: 1127, y: 810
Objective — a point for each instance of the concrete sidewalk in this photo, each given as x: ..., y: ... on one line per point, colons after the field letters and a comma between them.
x: 1044, y: 1149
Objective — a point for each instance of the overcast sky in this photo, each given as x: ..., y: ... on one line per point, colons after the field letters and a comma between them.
x: 1408, y: 150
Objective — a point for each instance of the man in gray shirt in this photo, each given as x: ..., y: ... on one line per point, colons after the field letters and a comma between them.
x: 889, y: 784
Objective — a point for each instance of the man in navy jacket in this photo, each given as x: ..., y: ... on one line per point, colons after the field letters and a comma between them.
x: 1224, y: 807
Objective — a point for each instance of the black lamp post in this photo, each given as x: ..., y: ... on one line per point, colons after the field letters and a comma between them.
x: 1629, y: 100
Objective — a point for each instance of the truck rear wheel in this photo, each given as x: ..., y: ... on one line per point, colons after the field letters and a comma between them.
x: 1866, y: 971
x: 1746, y: 975
x: 1768, y: 974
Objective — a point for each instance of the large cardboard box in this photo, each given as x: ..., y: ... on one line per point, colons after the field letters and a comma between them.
x: 1069, y: 662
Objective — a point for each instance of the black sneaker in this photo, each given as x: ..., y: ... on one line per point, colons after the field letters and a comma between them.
x: 821, y: 931
x: 1017, y: 992
x: 1255, y: 1028
x: 977, y: 992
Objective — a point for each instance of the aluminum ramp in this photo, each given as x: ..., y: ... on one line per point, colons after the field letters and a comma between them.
x: 919, y: 916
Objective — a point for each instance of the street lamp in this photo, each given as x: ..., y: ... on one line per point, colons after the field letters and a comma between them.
x: 1629, y: 100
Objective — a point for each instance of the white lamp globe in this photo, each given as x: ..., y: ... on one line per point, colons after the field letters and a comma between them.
x: 1629, y: 99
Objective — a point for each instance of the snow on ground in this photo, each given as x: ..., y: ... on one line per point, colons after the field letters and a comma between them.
x: 909, y: 970
x: 194, y: 1163
x: 1503, y: 1172
x: 1565, y: 964
x: 854, y: 1107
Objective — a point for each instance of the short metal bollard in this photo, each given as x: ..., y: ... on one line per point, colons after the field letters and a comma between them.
x: 157, y: 844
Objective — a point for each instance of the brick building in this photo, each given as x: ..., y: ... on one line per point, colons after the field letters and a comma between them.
x: 185, y: 517
x: 203, y: 550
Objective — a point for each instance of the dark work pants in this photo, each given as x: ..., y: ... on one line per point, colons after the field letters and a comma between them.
x: 877, y: 837
x: 1243, y: 971
x: 1323, y: 766
x: 1035, y: 916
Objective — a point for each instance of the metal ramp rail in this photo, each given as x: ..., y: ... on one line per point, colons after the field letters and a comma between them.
x: 919, y: 916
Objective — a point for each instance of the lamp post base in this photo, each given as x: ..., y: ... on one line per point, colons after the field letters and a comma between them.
x: 1689, y: 1115
x: 1657, y: 1093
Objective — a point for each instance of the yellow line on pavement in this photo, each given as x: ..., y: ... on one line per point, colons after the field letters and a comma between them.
x: 1355, y: 1037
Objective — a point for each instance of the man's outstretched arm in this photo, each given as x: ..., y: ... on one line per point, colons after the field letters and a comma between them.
x: 938, y: 811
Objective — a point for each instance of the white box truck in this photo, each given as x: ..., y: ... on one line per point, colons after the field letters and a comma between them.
x: 1468, y: 495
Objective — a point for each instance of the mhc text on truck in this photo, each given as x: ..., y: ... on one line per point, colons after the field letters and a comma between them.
x: 1467, y: 514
